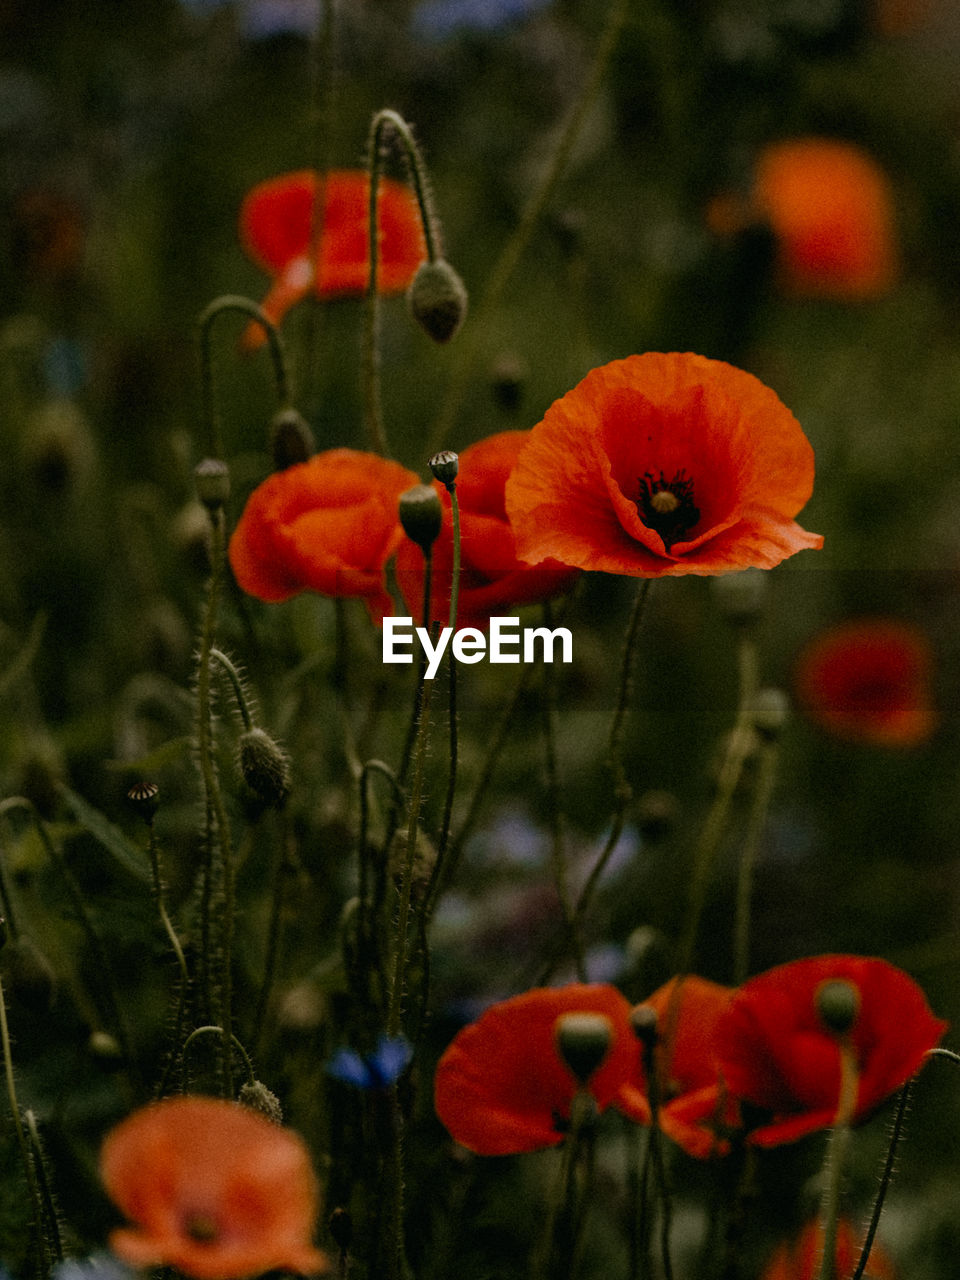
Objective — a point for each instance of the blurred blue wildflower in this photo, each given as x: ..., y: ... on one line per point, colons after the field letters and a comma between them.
x: 377, y: 1070
x: 99, y: 1266
x: 438, y: 19
x: 261, y: 19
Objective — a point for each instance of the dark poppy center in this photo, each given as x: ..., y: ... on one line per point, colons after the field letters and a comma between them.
x: 667, y: 506
x: 201, y: 1228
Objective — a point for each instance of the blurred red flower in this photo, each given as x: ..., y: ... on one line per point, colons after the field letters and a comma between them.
x: 215, y: 1190
x: 277, y: 232
x: 695, y: 1111
x: 776, y: 1052
x: 799, y: 1259
x: 869, y: 680
x: 492, y: 579
x: 501, y: 1086
x: 659, y: 465
x: 831, y: 209
x: 328, y: 524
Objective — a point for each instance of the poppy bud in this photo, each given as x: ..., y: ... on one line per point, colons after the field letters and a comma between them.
x: 643, y: 1020
x: 421, y: 515
x: 143, y: 797
x: 740, y: 596
x: 838, y: 1004
x: 291, y: 439
x: 438, y: 299
x: 258, y: 1097
x: 104, y: 1049
x: 445, y: 467
x: 264, y: 768
x: 583, y: 1041
x: 213, y: 482
x: 771, y: 709
x: 508, y: 377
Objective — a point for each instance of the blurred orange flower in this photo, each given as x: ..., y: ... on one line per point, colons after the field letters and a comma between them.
x: 831, y: 209
x: 277, y: 232
x: 695, y: 1110
x: 869, y: 680
x: 799, y: 1259
x: 659, y: 465
x: 214, y: 1189
x: 492, y: 579
x: 328, y: 524
x: 501, y: 1087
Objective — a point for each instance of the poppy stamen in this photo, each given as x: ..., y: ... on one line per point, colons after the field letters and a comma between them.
x: 201, y: 1227
x: 667, y: 506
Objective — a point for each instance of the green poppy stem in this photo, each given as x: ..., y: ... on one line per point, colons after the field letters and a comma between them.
x: 767, y: 760
x: 22, y: 1143
x: 838, y: 1147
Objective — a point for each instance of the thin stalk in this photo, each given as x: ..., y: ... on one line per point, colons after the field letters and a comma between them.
x: 274, y: 928
x: 837, y: 1149
x: 885, y: 1179
x: 324, y: 89
x: 468, y: 349
x: 548, y: 708
x: 767, y: 761
x: 236, y: 683
x: 655, y: 1150
x: 29, y: 1170
x: 213, y: 1029
x: 40, y: 1165
x: 453, y: 743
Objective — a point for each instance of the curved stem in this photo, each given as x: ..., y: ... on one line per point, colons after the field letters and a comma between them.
x: 213, y: 1029
x: 885, y: 1180
x: 237, y: 684
x: 227, y: 303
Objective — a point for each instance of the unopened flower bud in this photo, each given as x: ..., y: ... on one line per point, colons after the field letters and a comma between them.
x: 644, y: 1021
x: 740, y: 596
x: 421, y: 515
x: 583, y: 1042
x: 438, y: 299
x: 212, y: 479
x: 770, y: 712
x: 291, y: 439
x: 508, y: 377
x: 445, y: 467
x: 144, y: 798
x: 838, y: 1004
x: 258, y: 1097
x: 264, y: 768
x: 105, y: 1049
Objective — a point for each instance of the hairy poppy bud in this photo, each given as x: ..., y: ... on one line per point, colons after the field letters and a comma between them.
x: 421, y: 515
x: 445, y: 467
x: 583, y: 1042
x: 838, y: 1004
x: 291, y: 439
x: 264, y: 768
x: 258, y: 1097
x: 438, y: 299
x: 213, y: 482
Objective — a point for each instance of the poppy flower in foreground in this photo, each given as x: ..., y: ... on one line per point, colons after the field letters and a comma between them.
x: 659, y: 465
x: 277, y: 230
x: 492, y: 579
x: 695, y: 1109
x: 869, y: 680
x: 776, y: 1052
x: 328, y: 524
x: 502, y: 1087
x: 800, y: 1259
x: 831, y: 209
x: 214, y: 1190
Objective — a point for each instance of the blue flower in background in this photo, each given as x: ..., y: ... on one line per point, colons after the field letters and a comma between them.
x: 100, y: 1266
x: 437, y: 19
x: 377, y: 1070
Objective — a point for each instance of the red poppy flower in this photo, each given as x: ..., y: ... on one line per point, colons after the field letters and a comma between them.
x: 696, y: 1111
x: 831, y: 209
x: 659, y: 465
x: 776, y: 1052
x: 277, y: 230
x: 492, y: 579
x: 328, y: 524
x: 800, y: 1259
x: 215, y: 1190
x: 502, y: 1088
x: 869, y: 680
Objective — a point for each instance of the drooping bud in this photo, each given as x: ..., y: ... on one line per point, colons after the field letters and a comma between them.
x: 438, y: 299
x: 445, y: 467
x: 212, y: 479
x: 838, y: 1004
x: 291, y: 439
x: 258, y: 1097
x: 264, y: 768
x: 583, y: 1041
x: 421, y: 515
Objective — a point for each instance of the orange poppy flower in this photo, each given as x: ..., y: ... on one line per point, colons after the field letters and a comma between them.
x: 659, y: 465
x: 831, y: 209
x: 501, y: 1086
x: 800, y: 1259
x: 492, y: 579
x: 869, y: 680
x: 695, y: 1110
x: 776, y: 1051
x: 328, y: 524
x: 215, y: 1190
x: 277, y: 232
